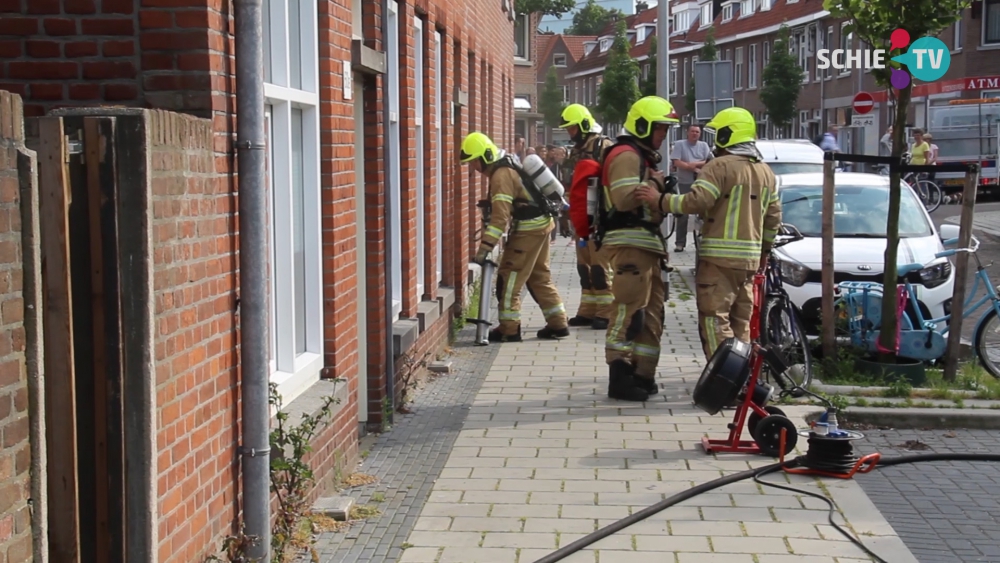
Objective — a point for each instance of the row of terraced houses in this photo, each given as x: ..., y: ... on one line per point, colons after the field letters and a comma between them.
x: 119, y: 246
x: 744, y: 32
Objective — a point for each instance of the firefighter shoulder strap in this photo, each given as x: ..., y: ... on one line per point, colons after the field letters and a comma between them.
x: 539, y: 206
x: 585, y: 189
x: 609, y: 218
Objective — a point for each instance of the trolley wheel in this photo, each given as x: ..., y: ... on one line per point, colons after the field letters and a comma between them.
x: 754, y: 419
x: 768, y: 435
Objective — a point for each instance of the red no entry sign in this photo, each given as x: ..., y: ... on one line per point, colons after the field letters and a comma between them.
x: 863, y: 103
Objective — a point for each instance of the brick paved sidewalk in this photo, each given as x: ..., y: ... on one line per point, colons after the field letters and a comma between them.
x: 545, y: 458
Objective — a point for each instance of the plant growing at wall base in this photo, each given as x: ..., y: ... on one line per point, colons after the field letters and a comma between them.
x: 781, y: 82
x: 234, y: 548
x: 873, y: 21
x: 620, y: 88
x: 291, y: 477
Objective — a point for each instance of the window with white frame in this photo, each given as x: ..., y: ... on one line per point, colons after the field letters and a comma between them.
x: 803, y: 45
x: 765, y: 5
x: 418, y: 136
x: 439, y: 148
x: 991, y: 22
x: 746, y: 8
x: 726, y: 56
x: 846, y: 42
x: 522, y: 37
x: 645, y: 72
x: 605, y: 44
x: 565, y: 90
x: 684, y: 76
x: 766, y: 58
x: 559, y: 59
x: 959, y: 39
x: 706, y: 15
x: 752, y: 67
x: 829, y: 45
x: 738, y: 70
x: 820, y: 44
x: 673, y: 77
x: 682, y: 22
x: 291, y: 93
x: 727, y: 13
x: 393, y: 159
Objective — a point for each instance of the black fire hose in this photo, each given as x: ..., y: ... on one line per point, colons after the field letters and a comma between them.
x: 664, y: 504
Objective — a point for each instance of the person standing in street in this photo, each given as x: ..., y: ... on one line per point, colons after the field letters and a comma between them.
x: 737, y: 194
x: 688, y: 156
x: 629, y: 232
x: 885, y: 147
x: 591, y: 262
x: 525, y: 258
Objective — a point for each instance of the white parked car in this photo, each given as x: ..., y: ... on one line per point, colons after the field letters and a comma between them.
x: 860, y: 217
x: 791, y: 156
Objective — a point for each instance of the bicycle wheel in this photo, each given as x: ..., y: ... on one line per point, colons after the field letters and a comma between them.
x: 987, y: 341
x: 930, y: 194
x: 781, y: 326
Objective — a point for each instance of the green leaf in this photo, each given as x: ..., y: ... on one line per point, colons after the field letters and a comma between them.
x: 620, y: 87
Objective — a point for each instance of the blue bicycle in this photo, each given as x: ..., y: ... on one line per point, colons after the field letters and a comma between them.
x: 861, y: 303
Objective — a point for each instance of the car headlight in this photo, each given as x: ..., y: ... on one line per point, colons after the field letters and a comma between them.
x: 933, y: 276
x: 793, y: 273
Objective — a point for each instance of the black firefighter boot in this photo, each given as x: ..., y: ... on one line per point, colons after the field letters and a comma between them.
x: 549, y: 333
x: 580, y: 321
x: 497, y: 336
x: 622, y: 384
x: 648, y: 384
x: 599, y: 323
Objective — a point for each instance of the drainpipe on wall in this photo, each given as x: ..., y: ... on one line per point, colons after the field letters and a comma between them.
x: 390, y: 373
x: 250, y: 144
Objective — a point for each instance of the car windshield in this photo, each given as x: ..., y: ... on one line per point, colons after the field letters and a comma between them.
x: 794, y: 167
x: 859, y: 211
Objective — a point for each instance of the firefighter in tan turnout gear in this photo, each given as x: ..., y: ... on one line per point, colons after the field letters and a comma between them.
x: 629, y: 231
x: 525, y: 258
x: 591, y: 264
x: 736, y: 195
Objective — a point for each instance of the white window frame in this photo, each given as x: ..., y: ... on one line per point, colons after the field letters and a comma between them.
x: 765, y: 58
x: 525, y: 22
x: 418, y: 133
x: 846, y: 42
x: 738, y: 69
x: 555, y: 60
x: 393, y: 161
x: 820, y: 44
x: 673, y: 77
x: 292, y: 370
x: 439, y: 145
x: 765, y: 5
x: 685, y: 76
x: 828, y: 73
x: 565, y: 90
x: 605, y: 44
x: 802, y: 40
x: 752, y: 67
x: 727, y: 12
x: 682, y: 22
x: 987, y: 4
x: 707, y: 17
x: 746, y: 8
x: 958, y: 41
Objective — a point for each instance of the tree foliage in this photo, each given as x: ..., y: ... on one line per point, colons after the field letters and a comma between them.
x: 781, y: 82
x: 551, y: 102
x: 873, y: 21
x: 708, y: 53
x: 548, y: 7
x: 647, y: 87
x: 592, y: 18
x: 620, y: 88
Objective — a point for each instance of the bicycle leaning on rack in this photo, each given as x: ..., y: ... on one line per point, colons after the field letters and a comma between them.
x: 927, y: 191
x: 861, y: 303
x: 781, y: 325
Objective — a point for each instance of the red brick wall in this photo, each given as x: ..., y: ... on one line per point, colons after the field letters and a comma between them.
x: 196, y: 337
x: 15, y: 455
x: 177, y: 55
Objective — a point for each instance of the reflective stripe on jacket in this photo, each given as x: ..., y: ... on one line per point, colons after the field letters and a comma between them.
x: 506, y: 191
x: 622, y: 173
x: 738, y: 199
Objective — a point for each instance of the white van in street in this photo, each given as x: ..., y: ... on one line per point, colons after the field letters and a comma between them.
x: 791, y: 156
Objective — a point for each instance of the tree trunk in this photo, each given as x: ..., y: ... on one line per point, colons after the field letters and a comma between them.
x: 887, y: 336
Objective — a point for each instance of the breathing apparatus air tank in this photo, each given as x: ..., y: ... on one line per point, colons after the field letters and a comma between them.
x: 543, y: 178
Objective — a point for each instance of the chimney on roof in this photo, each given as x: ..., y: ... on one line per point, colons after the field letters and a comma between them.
x: 641, y: 6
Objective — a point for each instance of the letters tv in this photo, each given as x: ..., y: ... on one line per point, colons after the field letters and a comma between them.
x: 849, y: 59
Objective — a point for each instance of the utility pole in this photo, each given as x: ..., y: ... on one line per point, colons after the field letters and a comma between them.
x: 663, y: 62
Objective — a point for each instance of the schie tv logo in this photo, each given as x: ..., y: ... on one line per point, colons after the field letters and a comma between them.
x: 928, y: 59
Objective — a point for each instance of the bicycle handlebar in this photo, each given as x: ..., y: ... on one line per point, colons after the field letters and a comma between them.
x: 951, y: 252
